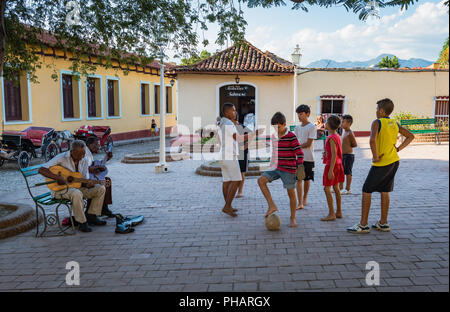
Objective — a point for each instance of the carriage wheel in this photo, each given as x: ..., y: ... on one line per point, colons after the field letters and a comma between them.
x: 108, y: 142
x: 24, y: 159
x: 50, y: 151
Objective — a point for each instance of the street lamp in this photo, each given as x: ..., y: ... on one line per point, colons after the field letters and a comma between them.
x: 172, y: 82
x: 296, y: 58
x: 237, y: 79
x: 162, y: 40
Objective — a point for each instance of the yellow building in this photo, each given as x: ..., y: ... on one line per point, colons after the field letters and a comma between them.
x: 244, y: 75
x: 108, y: 97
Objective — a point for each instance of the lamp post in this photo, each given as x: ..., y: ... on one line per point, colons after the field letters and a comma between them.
x: 162, y: 166
x: 296, y: 58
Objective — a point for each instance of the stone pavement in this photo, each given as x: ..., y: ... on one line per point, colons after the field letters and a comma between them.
x: 187, y: 244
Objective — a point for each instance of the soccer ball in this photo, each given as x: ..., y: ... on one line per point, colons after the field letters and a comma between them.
x: 272, y: 222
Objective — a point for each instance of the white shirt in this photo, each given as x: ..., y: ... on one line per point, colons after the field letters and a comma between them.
x: 67, y: 162
x: 89, y: 157
x: 249, y: 121
x: 303, y: 134
x: 229, y: 145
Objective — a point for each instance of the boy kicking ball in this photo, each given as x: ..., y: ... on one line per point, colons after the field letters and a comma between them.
x: 385, y: 162
x: 287, y: 154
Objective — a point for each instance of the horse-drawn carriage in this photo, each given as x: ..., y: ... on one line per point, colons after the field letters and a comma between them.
x: 33, y: 142
x: 44, y: 142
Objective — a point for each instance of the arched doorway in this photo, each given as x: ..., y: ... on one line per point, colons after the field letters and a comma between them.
x: 242, y: 95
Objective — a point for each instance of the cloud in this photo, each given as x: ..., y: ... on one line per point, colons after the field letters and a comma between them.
x: 420, y: 35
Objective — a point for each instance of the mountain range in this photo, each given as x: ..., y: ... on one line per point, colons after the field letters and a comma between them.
x: 412, y: 62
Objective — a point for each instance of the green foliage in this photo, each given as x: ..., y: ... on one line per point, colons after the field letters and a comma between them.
x: 443, y: 57
x: 131, y: 32
x: 442, y: 125
x: 195, y: 58
x: 388, y: 62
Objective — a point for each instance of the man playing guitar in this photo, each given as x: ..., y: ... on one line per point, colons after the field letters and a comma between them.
x: 75, y: 161
x: 98, y: 171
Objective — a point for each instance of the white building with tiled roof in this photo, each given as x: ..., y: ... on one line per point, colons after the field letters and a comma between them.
x: 244, y: 75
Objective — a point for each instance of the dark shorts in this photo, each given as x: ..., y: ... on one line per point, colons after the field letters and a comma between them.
x: 347, y: 162
x: 243, y: 163
x: 309, y: 170
x: 381, y: 179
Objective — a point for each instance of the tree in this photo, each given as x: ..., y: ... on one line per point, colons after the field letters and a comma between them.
x: 128, y: 31
x: 443, y: 57
x: 195, y: 58
x: 388, y: 62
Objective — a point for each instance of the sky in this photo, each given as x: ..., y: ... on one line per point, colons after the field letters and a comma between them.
x: 334, y: 33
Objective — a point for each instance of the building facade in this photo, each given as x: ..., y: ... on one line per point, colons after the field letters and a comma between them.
x: 108, y: 97
x: 244, y: 73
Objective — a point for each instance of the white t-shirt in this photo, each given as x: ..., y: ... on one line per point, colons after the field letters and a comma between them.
x: 66, y: 161
x: 229, y: 146
x: 303, y: 134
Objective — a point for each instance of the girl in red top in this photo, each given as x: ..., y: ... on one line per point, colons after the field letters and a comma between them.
x: 334, y: 171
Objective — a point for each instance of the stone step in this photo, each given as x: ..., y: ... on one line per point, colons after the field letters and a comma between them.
x: 21, y: 220
x: 152, y: 158
x: 212, y: 169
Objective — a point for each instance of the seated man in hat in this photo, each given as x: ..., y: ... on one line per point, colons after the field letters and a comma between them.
x: 75, y: 161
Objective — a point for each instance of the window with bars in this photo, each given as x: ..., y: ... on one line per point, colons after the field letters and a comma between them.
x: 113, y: 97
x: 70, y: 88
x: 12, y: 96
x: 441, y: 110
x: 94, y: 97
x: 168, y: 95
x: 145, y: 99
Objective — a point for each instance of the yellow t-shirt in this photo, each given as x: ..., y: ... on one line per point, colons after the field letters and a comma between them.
x: 386, y: 141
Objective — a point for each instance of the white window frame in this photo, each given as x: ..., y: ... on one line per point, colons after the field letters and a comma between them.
x: 30, y: 116
x: 319, y: 104
x: 150, y: 97
x: 166, y: 85
x: 101, y: 97
x: 69, y: 72
x: 120, y: 98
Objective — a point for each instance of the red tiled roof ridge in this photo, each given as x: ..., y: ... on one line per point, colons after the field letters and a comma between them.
x: 246, y: 58
x: 49, y: 39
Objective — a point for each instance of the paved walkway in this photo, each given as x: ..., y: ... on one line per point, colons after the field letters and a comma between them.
x: 187, y: 244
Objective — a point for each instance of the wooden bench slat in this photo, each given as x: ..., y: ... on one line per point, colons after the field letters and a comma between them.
x: 31, y: 168
x: 418, y: 121
x: 31, y: 173
x: 42, y: 196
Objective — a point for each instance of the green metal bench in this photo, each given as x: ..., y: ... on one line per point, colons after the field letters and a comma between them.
x: 44, y: 201
x: 428, y: 121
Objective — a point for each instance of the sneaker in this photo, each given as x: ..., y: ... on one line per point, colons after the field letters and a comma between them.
x: 381, y: 227
x: 359, y: 229
x: 345, y: 192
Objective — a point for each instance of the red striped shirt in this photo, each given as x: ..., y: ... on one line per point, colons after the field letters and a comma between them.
x: 287, y: 153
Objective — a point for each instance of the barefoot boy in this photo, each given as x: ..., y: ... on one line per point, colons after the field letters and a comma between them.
x: 348, y: 157
x: 229, y: 139
x: 385, y: 162
x: 287, y: 154
x: 306, y: 132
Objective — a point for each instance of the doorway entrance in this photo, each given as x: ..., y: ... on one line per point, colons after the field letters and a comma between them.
x: 242, y: 96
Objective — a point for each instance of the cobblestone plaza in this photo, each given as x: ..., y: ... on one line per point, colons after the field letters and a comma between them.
x: 187, y: 244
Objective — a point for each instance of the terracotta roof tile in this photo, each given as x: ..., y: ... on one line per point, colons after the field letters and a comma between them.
x: 241, y: 58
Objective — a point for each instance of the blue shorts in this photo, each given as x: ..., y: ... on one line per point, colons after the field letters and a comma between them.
x: 288, y: 179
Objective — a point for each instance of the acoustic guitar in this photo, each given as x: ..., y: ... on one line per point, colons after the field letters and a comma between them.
x: 73, y: 179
